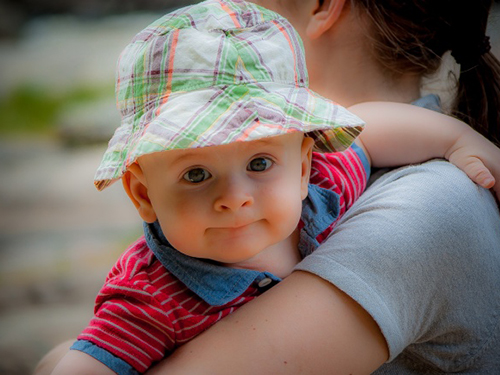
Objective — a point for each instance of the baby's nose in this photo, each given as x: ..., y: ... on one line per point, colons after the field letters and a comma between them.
x: 233, y: 196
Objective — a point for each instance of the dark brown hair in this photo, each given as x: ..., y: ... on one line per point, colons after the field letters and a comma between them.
x: 411, y: 36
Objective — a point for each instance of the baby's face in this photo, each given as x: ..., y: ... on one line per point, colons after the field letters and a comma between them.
x: 228, y: 203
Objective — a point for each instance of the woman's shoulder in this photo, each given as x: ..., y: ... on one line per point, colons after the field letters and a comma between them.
x: 420, y: 251
x: 438, y: 183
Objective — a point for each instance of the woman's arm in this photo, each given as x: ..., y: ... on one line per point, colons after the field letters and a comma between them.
x: 302, y: 325
x: 279, y: 332
x: 78, y: 363
x: 52, y: 358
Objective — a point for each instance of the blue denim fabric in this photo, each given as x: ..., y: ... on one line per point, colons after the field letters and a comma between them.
x: 116, y: 364
x: 430, y: 101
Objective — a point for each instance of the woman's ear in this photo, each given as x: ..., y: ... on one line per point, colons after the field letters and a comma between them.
x: 327, y: 12
x: 135, y: 186
x: 306, y: 152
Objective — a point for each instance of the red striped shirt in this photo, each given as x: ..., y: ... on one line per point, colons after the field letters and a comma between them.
x: 343, y: 173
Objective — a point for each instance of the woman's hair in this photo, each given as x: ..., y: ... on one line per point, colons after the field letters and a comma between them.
x: 412, y: 36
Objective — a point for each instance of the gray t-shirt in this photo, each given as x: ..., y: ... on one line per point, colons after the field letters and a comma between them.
x: 420, y: 252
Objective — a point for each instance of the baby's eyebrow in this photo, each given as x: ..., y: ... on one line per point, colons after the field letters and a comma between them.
x: 195, y: 154
x: 264, y: 141
x: 188, y: 154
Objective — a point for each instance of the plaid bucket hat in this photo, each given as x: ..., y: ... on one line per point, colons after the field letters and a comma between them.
x: 214, y: 73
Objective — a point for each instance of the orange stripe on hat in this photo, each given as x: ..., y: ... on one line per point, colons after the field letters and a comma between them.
x: 118, y: 82
x: 248, y: 131
x: 291, y: 48
x: 170, y: 70
x: 231, y: 14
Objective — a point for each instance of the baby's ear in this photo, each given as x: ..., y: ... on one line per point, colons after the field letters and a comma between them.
x: 135, y: 186
x: 306, y: 153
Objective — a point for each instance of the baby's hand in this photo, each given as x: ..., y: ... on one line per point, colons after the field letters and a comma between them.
x: 478, y: 158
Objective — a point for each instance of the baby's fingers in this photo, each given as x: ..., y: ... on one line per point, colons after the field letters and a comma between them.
x: 477, y: 172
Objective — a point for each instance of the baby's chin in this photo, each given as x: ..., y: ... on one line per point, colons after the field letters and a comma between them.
x: 243, y: 258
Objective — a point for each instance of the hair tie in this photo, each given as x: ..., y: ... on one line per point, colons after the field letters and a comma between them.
x: 467, y: 55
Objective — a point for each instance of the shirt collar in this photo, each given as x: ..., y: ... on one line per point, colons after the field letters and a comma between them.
x: 218, y: 285
x: 430, y: 101
x: 319, y: 210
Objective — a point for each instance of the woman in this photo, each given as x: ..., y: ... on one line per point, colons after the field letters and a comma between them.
x: 417, y: 290
x: 419, y: 287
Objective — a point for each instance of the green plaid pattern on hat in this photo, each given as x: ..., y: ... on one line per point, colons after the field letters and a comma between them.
x: 214, y: 73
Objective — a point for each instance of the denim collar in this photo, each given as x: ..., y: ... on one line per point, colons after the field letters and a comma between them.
x: 430, y: 101
x: 217, y: 285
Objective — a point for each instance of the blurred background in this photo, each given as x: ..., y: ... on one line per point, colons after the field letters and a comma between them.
x: 58, y: 235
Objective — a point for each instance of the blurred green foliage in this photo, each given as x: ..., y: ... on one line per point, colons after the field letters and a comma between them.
x: 34, y: 110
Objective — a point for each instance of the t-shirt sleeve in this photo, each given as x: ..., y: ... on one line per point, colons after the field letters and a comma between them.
x: 420, y: 258
x: 130, y: 329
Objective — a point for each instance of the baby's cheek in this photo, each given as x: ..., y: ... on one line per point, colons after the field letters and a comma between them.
x: 175, y: 227
x: 184, y: 229
x: 287, y: 211
x: 182, y: 239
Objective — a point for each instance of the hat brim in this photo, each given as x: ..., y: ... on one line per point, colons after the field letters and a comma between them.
x: 226, y: 114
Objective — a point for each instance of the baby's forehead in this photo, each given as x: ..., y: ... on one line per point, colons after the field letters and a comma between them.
x: 283, y: 141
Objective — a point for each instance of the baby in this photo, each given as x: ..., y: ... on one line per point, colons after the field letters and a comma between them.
x: 236, y: 168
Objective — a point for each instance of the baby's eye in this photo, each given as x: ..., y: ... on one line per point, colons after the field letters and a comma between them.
x: 196, y: 175
x: 259, y: 164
